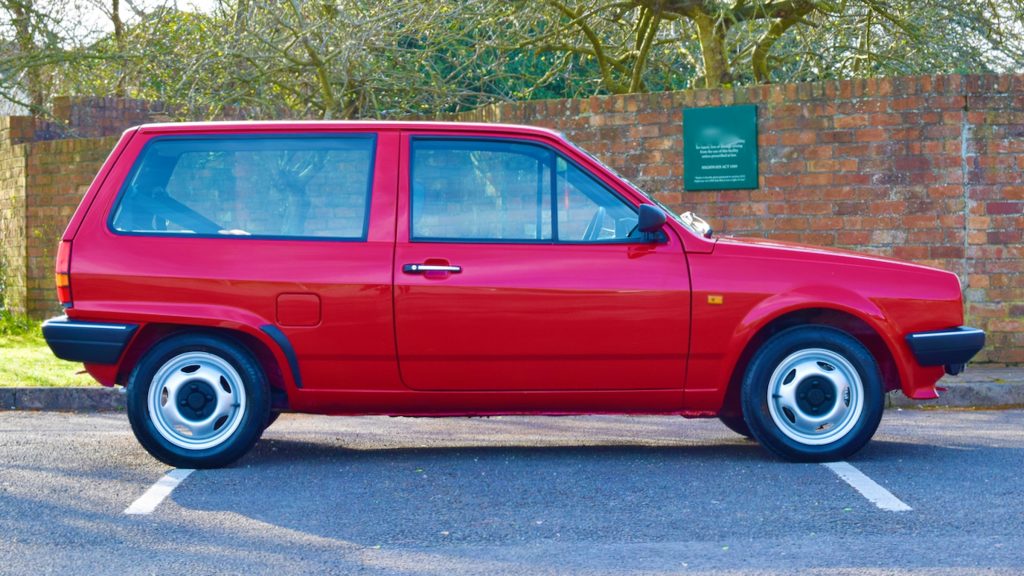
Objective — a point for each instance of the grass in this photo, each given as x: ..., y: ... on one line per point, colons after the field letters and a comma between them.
x: 26, y: 360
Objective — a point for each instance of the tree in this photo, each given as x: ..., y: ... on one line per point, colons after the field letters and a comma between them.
x: 342, y: 59
x: 38, y: 40
x: 353, y: 59
x: 166, y: 55
x: 347, y: 58
x: 901, y: 37
x: 21, y: 73
x: 722, y: 42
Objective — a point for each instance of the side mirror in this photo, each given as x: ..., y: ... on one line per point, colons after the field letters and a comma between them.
x: 651, y: 219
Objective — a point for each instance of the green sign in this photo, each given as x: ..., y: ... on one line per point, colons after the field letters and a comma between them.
x: 720, y: 148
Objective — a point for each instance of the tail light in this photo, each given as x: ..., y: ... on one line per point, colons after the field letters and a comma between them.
x: 63, y: 273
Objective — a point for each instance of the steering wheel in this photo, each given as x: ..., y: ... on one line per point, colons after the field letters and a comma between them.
x: 593, y: 231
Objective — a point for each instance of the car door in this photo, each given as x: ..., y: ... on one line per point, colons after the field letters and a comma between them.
x: 515, y: 269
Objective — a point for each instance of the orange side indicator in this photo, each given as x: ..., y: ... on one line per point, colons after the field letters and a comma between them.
x: 715, y: 299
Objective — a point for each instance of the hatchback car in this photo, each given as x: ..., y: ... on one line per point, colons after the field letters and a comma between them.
x: 228, y: 272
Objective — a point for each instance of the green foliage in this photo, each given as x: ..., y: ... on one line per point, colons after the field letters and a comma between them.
x: 898, y: 37
x: 28, y: 361
x: 12, y: 324
x: 353, y: 59
x: 168, y: 55
x: 709, y: 43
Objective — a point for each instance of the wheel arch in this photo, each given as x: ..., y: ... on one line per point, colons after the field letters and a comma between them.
x: 152, y: 333
x: 844, y: 320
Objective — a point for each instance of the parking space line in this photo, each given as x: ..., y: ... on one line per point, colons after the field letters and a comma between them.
x: 158, y: 492
x: 867, y: 487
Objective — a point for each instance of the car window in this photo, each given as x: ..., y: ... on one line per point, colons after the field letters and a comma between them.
x: 250, y: 186
x: 480, y: 190
x: 587, y: 210
x: 491, y: 190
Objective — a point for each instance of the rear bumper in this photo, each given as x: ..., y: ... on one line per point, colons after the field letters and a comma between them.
x: 951, y: 348
x: 88, y: 342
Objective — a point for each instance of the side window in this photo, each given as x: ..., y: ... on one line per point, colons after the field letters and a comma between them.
x: 587, y: 210
x: 480, y: 190
x: 250, y: 186
x: 503, y: 191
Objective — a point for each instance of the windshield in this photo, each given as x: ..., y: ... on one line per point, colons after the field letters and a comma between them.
x: 688, y: 220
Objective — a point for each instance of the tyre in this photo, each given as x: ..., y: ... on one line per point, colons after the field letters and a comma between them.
x: 735, y: 423
x: 198, y: 401
x: 271, y: 418
x: 812, y: 394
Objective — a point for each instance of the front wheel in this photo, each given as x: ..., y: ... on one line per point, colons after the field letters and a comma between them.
x: 813, y: 394
x: 198, y: 401
x: 735, y: 423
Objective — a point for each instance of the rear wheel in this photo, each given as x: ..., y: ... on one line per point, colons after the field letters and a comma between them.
x: 271, y: 418
x: 813, y: 394
x: 198, y: 401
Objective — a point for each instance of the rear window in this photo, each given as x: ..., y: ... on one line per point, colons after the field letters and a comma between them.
x: 266, y: 186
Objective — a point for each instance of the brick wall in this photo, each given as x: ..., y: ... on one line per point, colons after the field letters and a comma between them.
x: 99, y: 117
x: 992, y: 141
x: 928, y: 169
x: 58, y: 173
x: 13, y: 263
x: 924, y: 168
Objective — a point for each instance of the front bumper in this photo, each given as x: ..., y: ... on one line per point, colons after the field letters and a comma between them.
x: 951, y: 348
x: 88, y: 342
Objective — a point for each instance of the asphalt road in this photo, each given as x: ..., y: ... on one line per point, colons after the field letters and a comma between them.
x: 512, y: 495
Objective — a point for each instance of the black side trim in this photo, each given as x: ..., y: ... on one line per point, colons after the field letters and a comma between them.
x: 89, y: 342
x: 286, y: 346
x: 946, y: 347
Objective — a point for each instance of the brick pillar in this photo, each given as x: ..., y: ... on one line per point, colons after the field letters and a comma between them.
x: 992, y: 161
x: 58, y: 173
x: 13, y: 258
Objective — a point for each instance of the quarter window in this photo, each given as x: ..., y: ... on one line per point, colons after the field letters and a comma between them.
x: 589, y: 212
x: 250, y: 186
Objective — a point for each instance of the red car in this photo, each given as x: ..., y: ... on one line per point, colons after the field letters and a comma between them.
x: 227, y: 272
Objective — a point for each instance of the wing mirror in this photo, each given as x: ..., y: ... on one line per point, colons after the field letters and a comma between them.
x: 649, y: 222
x: 651, y: 218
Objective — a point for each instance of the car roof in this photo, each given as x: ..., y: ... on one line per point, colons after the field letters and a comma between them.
x: 237, y: 127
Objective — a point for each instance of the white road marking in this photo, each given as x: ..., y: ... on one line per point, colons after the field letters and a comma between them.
x: 867, y: 487
x: 158, y: 492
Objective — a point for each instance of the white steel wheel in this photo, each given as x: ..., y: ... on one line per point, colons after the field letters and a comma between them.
x: 812, y: 393
x: 815, y: 396
x: 196, y: 400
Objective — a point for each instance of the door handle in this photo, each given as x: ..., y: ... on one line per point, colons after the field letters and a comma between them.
x: 422, y: 268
